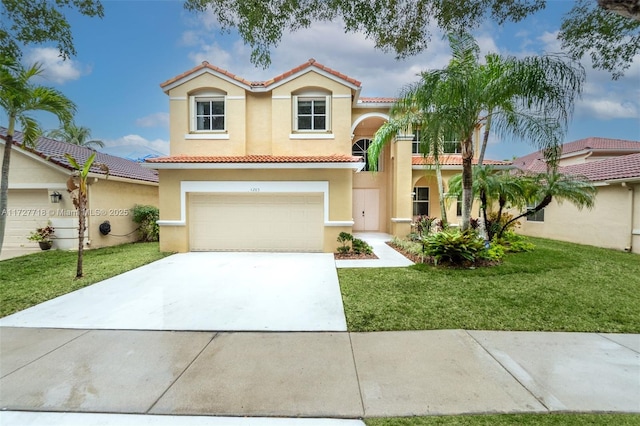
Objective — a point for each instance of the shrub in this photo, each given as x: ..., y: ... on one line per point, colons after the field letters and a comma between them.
x: 454, y: 247
x: 494, y: 224
x: 514, y: 243
x: 147, y: 217
x: 344, y: 238
x: 423, y: 225
x: 361, y: 247
x: 494, y: 253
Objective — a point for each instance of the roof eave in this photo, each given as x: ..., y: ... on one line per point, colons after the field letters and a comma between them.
x: 356, y: 166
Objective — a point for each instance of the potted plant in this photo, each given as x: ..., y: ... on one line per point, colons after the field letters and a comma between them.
x: 43, y: 236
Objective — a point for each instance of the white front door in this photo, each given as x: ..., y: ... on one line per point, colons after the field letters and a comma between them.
x: 366, y: 214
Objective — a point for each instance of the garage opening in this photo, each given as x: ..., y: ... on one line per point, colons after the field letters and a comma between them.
x: 285, y: 222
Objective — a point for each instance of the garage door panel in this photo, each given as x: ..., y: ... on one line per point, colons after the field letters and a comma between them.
x: 261, y: 222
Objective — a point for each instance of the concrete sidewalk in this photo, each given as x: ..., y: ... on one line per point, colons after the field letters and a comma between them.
x: 311, y: 375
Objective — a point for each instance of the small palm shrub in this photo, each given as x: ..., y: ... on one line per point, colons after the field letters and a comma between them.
x: 455, y: 247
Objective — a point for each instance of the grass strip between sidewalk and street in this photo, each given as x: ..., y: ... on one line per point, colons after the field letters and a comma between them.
x: 564, y: 419
x: 28, y: 280
x: 557, y: 287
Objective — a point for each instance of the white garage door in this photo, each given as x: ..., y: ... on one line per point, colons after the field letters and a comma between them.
x: 256, y: 222
x: 28, y: 209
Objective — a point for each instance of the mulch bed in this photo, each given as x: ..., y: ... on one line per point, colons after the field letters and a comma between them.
x: 353, y: 256
x: 428, y: 260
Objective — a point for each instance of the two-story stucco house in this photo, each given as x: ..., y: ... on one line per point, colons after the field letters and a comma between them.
x: 281, y: 164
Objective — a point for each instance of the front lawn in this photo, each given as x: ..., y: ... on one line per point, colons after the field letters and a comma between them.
x: 28, y: 280
x: 558, y: 287
x: 563, y: 419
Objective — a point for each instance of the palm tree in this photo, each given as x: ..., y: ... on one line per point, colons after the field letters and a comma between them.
x: 77, y: 186
x: 555, y: 185
x: 405, y: 118
x: 491, y: 186
x: 19, y: 97
x: 530, y: 98
x: 76, y: 135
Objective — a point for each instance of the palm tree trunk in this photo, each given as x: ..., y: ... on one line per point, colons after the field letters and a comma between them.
x: 4, y: 182
x: 82, y: 217
x: 485, y: 139
x: 443, y: 207
x: 544, y: 203
x: 467, y: 182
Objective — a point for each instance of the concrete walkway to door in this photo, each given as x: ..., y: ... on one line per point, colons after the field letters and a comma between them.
x: 204, y: 292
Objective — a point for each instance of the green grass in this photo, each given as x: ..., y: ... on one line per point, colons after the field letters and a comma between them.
x: 512, y: 419
x: 28, y: 280
x: 558, y: 287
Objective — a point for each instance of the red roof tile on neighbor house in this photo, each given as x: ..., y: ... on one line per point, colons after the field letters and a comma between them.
x: 535, y: 161
x: 53, y: 151
x: 453, y: 160
x: 622, y: 167
x: 309, y: 63
x: 255, y: 159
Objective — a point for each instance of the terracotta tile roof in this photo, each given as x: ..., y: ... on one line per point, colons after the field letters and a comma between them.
x: 453, y: 160
x: 600, y: 144
x: 625, y: 165
x: 622, y: 167
x: 377, y: 100
x: 207, y: 65
x: 53, y: 151
x: 534, y: 161
x: 255, y: 159
x: 310, y: 63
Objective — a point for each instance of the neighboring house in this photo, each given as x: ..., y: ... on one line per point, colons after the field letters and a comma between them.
x: 281, y: 164
x: 613, y: 167
x: 37, y: 173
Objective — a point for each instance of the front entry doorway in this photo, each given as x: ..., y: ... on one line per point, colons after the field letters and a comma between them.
x: 366, y: 209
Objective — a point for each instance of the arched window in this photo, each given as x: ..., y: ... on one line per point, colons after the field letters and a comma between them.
x: 359, y: 149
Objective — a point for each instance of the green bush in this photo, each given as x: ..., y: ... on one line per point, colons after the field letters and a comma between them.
x: 147, y: 217
x: 514, y: 243
x: 454, y: 247
x: 494, y: 253
x: 361, y: 247
x: 344, y: 238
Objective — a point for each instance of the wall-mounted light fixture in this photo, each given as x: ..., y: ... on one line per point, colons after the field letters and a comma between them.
x: 56, y: 197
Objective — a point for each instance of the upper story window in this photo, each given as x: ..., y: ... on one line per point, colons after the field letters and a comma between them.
x: 448, y: 147
x: 312, y: 111
x: 208, y: 112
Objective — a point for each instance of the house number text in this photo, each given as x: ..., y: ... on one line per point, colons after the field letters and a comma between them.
x: 254, y: 189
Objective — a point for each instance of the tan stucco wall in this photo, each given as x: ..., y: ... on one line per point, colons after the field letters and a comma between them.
x: 260, y: 123
x: 609, y: 224
x: 176, y: 238
x: 111, y: 200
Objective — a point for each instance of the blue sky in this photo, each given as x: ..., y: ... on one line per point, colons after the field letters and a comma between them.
x: 122, y: 59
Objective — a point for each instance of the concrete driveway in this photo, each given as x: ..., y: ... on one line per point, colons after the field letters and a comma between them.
x: 204, y: 292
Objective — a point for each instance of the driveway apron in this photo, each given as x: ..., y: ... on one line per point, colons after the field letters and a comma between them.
x: 206, y: 291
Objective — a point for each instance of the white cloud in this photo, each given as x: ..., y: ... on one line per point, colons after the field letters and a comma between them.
x: 129, y: 142
x: 158, y: 119
x: 54, y: 68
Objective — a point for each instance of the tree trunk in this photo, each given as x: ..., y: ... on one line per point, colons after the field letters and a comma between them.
x: 485, y: 139
x: 626, y: 8
x: 467, y: 182
x: 4, y: 183
x: 544, y: 203
x: 82, y: 225
x: 443, y: 207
